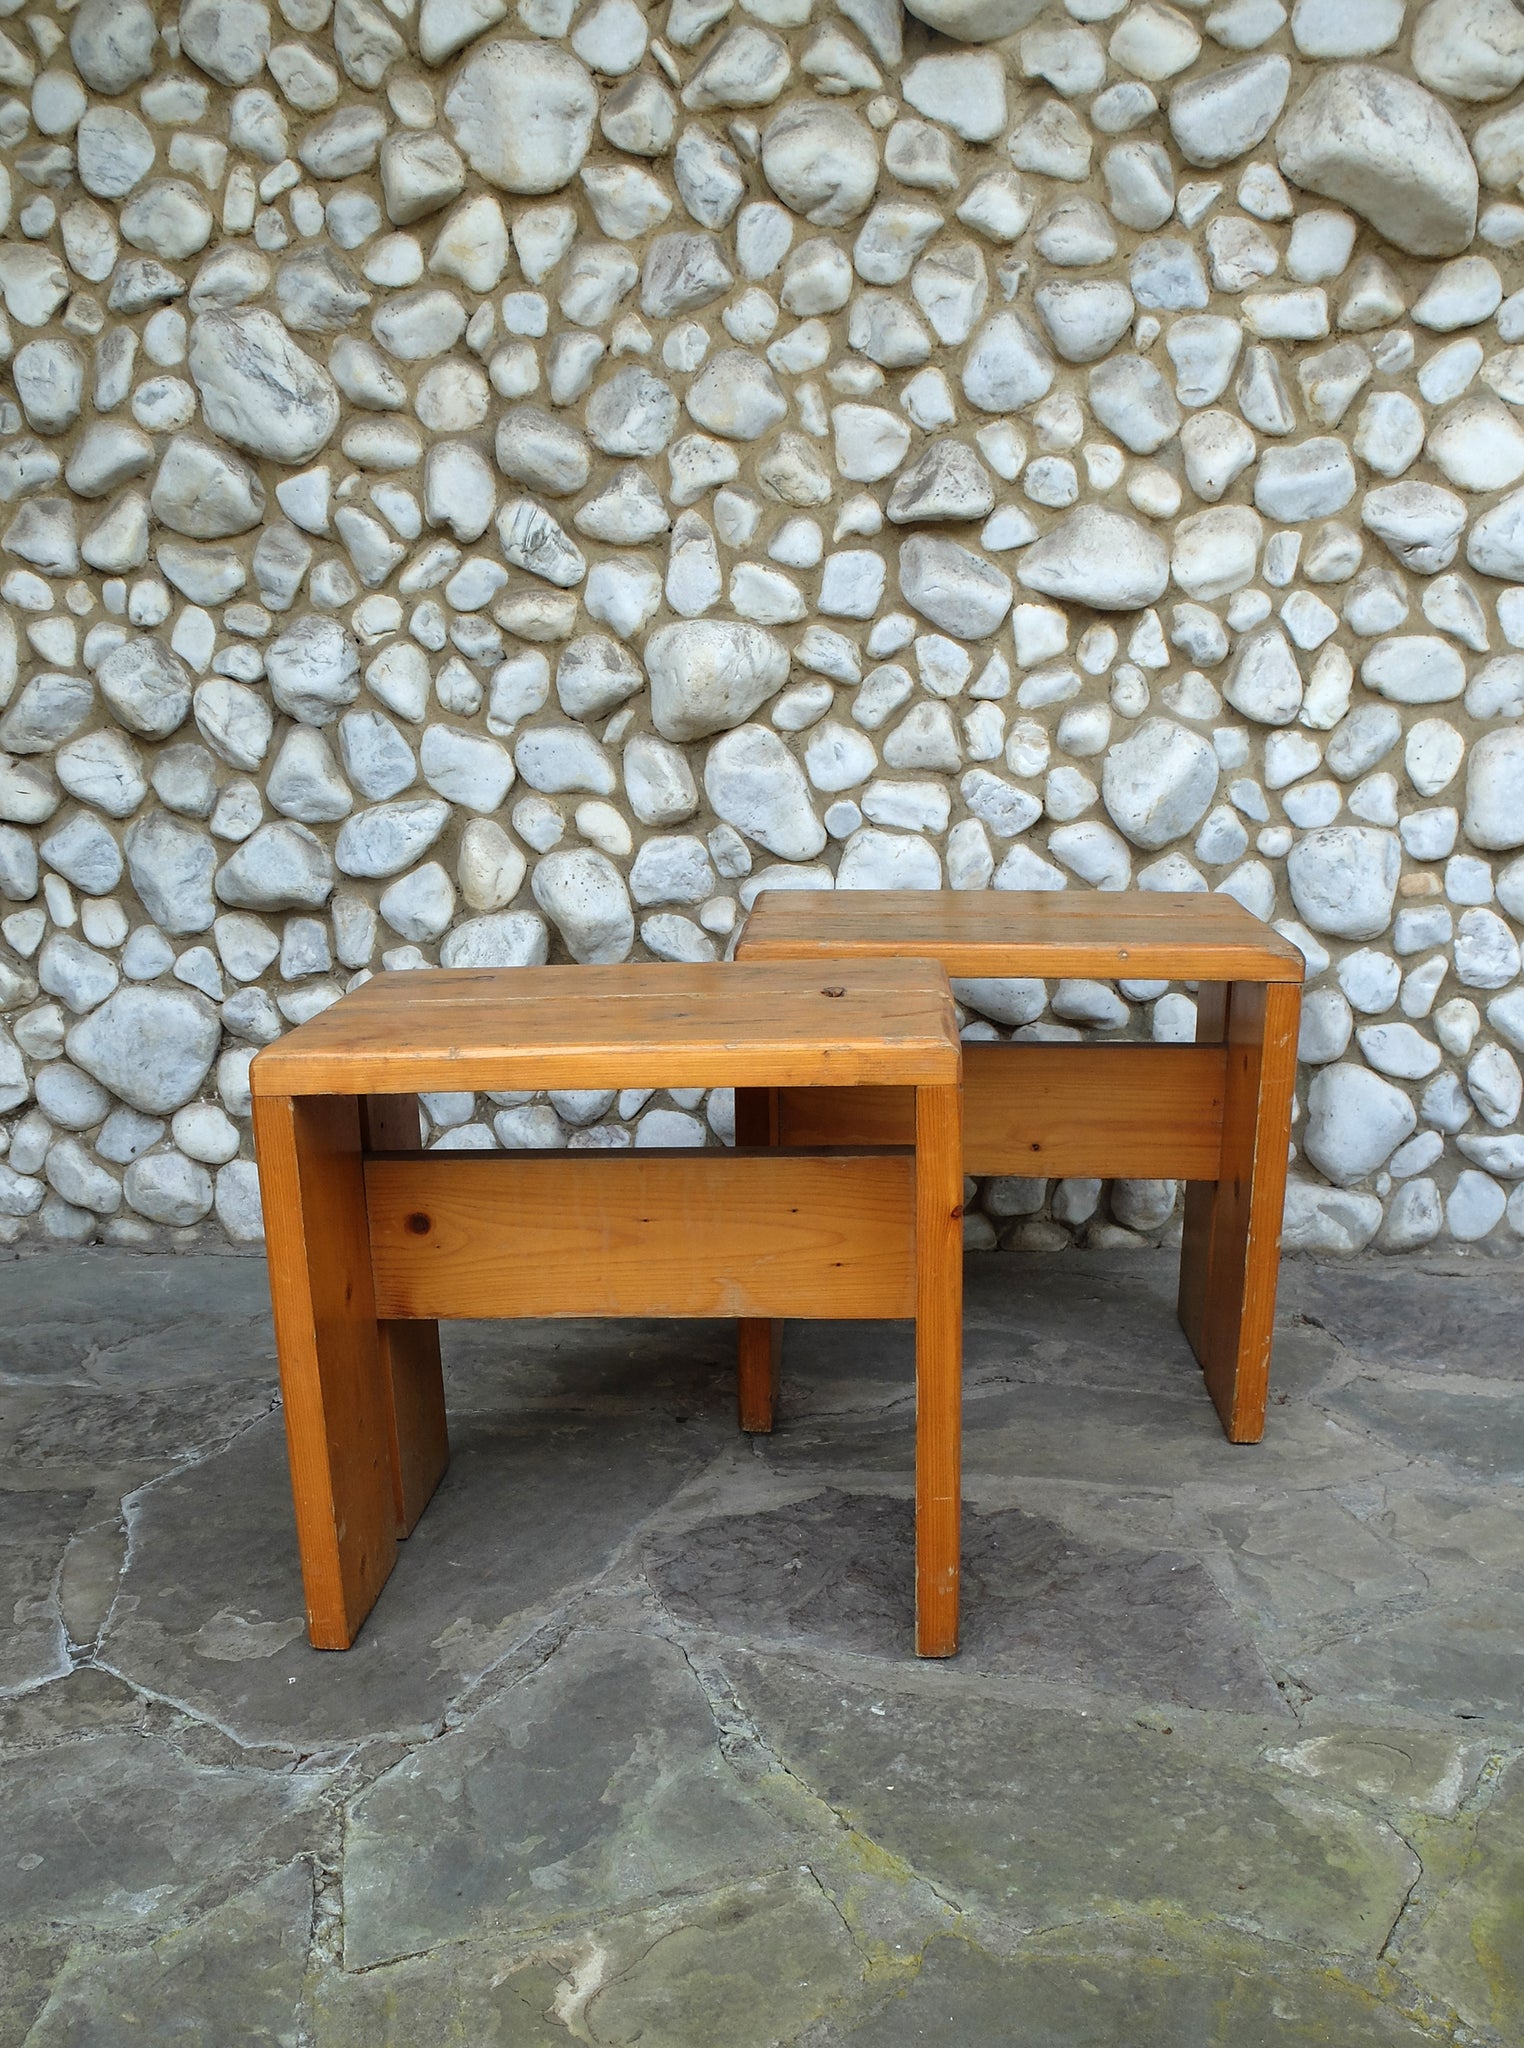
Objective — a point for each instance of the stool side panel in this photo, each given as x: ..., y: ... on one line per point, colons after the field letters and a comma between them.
x: 415, y: 1371
x: 335, y: 1396
x: 1236, y: 1320
x: 938, y: 1368
x: 1200, y: 1203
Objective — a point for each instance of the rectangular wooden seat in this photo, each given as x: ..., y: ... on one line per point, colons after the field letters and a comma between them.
x: 1216, y: 1114
x: 371, y: 1241
x: 1105, y: 935
x: 659, y: 1026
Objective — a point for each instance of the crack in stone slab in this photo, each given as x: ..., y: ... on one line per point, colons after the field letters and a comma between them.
x: 1095, y: 1987
x: 591, y: 1779
x: 528, y: 1512
x: 239, y: 1968
x: 1010, y: 1823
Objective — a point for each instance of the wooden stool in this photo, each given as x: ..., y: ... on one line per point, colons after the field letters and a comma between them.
x: 1216, y: 1114
x: 371, y: 1240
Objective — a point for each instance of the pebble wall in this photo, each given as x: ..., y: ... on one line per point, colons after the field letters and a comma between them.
x: 486, y: 483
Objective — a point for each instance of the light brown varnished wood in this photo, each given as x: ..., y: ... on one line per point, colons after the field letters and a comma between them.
x: 847, y: 1116
x: 370, y: 1241
x: 1214, y: 1115
x: 1233, y: 1266
x: 333, y: 1379
x: 938, y: 1368
x: 1131, y: 935
x: 1201, y: 1192
x: 420, y: 1435
x: 643, y: 1233
x: 759, y: 1340
x: 639, y: 1027
x: 1132, y: 1112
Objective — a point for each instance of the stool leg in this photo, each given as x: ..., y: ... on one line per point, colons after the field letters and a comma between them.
x: 420, y: 1440
x: 1200, y: 1195
x: 938, y: 1367
x: 759, y: 1341
x: 333, y: 1379
x: 1230, y: 1256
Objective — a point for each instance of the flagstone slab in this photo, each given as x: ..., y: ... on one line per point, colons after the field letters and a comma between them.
x: 650, y: 1369
x: 749, y: 1969
x: 1408, y: 1313
x: 1042, y: 1820
x: 1469, y: 1951
x: 1095, y: 1437
x: 747, y: 1966
x: 1453, y: 1660
x: 121, y: 1437
x: 101, y: 1317
x: 594, y: 1784
x: 1476, y: 1430
x: 524, y: 1513
x: 459, y: 1994
x: 838, y: 1572
x: 1088, y: 1999
x: 122, y: 1834
x: 1292, y: 1557
x: 1455, y: 1531
x: 234, y: 1976
x: 35, y: 1528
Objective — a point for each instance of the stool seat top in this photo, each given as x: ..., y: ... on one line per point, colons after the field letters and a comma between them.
x: 780, y: 1025
x: 1132, y: 935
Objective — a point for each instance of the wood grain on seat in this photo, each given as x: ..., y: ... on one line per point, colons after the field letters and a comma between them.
x: 1131, y: 935
x: 634, y: 1027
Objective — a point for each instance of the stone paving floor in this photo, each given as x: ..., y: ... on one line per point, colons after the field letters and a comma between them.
x: 634, y: 1750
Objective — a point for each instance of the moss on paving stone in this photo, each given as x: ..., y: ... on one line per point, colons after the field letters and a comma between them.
x: 458, y: 1997
x: 1038, y: 1820
x: 1468, y: 1950
x: 1064, y: 1997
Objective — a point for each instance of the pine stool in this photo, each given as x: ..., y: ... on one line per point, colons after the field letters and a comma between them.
x: 1216, y: 1114
x: 371, y: 1240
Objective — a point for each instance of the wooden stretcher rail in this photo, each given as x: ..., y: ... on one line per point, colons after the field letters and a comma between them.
x: 680, y: 1234
x: 1125, y: 1112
